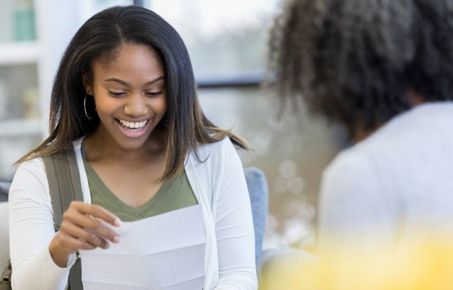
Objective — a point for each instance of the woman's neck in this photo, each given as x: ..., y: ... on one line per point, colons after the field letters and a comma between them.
x: 413, y: 99
x: 361, y: 134
x: 97, y: 149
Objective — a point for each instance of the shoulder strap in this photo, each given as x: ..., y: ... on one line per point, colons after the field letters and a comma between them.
x: 64, y: 182
x: 64, y: 187
x: 5, y: 282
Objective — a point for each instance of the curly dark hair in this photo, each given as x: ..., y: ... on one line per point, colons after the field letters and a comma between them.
x: 355, y: 60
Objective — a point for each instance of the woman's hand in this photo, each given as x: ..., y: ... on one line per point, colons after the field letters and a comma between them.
x: 82, y: 228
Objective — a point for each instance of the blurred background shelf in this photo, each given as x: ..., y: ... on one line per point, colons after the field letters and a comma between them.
x: 20, y: 128
x: 15, y: 53
x: 33, y: 35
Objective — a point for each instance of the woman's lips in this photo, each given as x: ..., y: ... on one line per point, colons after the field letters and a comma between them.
x: 133, y: 129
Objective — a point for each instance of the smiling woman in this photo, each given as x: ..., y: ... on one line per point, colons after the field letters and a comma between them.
x: 124, y: 103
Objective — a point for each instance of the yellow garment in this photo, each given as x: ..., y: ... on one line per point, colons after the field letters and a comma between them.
x: 413, y: 265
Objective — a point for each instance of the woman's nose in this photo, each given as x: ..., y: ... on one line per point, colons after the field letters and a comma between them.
x: 135, y: 106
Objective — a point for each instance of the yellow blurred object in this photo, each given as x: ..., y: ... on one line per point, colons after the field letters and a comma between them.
x: 413, y: 265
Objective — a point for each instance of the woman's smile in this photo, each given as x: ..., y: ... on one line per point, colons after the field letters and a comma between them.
x: 133, y: 129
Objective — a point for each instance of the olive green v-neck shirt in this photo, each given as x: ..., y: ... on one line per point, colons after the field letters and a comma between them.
x: 172, y: 195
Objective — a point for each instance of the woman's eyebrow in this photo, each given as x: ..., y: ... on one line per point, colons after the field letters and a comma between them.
x: 126, y: 83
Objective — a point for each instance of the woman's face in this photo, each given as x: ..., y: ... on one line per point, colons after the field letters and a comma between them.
x: 129, y: 94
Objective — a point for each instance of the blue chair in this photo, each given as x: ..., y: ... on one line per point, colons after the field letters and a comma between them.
x: 259, y: 198
x: 4, y: 234
x: 4, y: 188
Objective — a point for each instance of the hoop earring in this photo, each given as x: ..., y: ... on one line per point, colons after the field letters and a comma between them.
x: 85, y: 108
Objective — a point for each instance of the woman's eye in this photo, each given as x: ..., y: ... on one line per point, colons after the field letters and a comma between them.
x: 116, y: 94
x: 154, y: 93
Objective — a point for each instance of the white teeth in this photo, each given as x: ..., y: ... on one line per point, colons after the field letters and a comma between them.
x: 133, y: 125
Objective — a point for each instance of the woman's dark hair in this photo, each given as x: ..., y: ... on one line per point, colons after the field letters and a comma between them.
x: 101, y: 36
x: 354, y: 61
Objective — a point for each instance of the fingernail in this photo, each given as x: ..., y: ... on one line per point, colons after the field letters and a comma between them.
x: 116, y: 239
x: 117, y: 222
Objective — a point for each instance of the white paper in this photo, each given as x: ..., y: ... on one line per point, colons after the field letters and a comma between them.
x: 164, y: 252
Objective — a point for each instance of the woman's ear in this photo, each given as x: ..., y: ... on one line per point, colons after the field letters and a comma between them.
x: 87, y: 85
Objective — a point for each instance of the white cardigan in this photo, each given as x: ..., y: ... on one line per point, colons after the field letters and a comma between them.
x: 218, y: 183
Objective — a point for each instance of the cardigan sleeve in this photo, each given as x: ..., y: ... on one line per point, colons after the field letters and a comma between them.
x: 233, y: 223
x: 31, y: 230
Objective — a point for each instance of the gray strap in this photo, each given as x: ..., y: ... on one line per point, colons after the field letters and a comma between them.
x: 64, y: 182
x: 64, y: 187
x: 75, y: 276
x: 5, y: 282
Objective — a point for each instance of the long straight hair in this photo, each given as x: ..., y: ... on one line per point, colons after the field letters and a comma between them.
x: 100, y: 36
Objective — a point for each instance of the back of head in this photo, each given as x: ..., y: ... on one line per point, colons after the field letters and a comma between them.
x: 355, y: 60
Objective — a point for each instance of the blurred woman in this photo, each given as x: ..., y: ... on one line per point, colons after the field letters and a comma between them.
x: 384, y: 71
